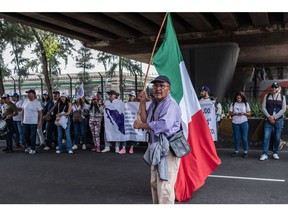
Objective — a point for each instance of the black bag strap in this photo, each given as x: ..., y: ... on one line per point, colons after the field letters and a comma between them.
x: 59, y: 108
x: 53, y: 106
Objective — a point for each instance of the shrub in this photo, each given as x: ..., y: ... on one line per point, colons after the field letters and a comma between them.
x: 256, y: 109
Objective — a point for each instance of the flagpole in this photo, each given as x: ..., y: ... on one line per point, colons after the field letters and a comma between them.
x: 150, y: 61
x: 154, y: 47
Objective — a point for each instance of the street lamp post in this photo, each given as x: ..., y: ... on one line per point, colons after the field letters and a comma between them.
x: 14, y: 83
x: 70, y: 84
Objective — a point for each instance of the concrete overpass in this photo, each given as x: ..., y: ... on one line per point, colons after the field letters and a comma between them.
x: 255, y: 39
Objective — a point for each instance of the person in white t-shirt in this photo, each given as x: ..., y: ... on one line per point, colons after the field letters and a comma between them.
x: 239, y: 111
x: 31, y: 120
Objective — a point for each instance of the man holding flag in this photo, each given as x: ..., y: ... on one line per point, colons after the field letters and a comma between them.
x: 195, y: 167
x: 163, y: 117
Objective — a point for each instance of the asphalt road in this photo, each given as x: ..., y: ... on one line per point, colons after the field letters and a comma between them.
x: 87, y: 177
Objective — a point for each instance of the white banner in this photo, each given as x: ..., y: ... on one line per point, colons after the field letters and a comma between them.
x: 208, y: 109
x: 80, y: 91
x: 119, y: 118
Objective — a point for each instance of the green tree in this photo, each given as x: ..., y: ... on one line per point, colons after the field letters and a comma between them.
x: 3, y: 67
x: 49, y: 48
x: 4, y: 71
x: 18, y: 38
x: 83, y: 62
x: 112, y: 62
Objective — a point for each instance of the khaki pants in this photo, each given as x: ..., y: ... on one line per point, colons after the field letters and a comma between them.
x: 163, y: 192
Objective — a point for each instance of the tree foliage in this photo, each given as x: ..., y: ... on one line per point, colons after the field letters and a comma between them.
x: 83, y: 62
x: 112, y: 62
x: 49, y: 49
x: 17, y: 37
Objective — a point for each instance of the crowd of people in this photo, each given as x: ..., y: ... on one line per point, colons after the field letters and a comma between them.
x: 273, y: 108
x: 26, y: 120
x: 32, y: 122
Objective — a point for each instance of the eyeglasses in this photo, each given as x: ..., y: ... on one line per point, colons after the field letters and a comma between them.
x: 162, y: 86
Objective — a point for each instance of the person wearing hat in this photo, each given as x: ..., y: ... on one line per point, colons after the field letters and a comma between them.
x: 31, y: 120
x: 132, y: 96
x: 273, y: 107
x: 45, y: 98
x: 18, y: 128
x: 205, y: 98
x: 162, y: 117
x: 113, y: 93
x: 113, y: 98
x: 51, y: 129
x: 9, y: 110
x: 64, y: 108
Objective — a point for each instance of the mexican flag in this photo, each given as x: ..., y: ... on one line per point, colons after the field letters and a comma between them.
x: 203, y: 160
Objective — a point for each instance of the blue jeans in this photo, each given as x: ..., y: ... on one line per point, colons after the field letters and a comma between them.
x: 238, y: 131
x: 68, y: 137
x: 30, y: 131
x: 268, y: 129
x: 18, y: 132
x: 80, y: 131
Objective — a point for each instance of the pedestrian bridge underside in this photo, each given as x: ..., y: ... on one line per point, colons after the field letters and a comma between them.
x: 258, y: 39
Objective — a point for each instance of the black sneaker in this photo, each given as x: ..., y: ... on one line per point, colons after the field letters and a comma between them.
x: 235, y: 154
x: 245, y: 155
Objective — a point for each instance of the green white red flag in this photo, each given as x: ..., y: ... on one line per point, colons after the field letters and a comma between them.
x: 203, y: 160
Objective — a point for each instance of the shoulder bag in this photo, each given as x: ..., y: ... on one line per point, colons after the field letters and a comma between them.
x: 47, y: 117
x: 77, y: 115
x: 179, y: 144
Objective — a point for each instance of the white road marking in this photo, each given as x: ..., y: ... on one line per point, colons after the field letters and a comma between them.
x: 247, y: 178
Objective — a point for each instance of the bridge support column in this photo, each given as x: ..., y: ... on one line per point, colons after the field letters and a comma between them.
x: 212, y: 65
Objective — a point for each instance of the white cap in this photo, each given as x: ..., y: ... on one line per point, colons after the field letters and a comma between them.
x: 132, y: 93
x: 64, y: 94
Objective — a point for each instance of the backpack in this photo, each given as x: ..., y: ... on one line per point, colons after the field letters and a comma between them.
x: 77, y: 116
x: 268, y: 95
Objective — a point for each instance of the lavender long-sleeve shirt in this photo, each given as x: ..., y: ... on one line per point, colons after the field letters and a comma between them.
x: 166, y: 118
